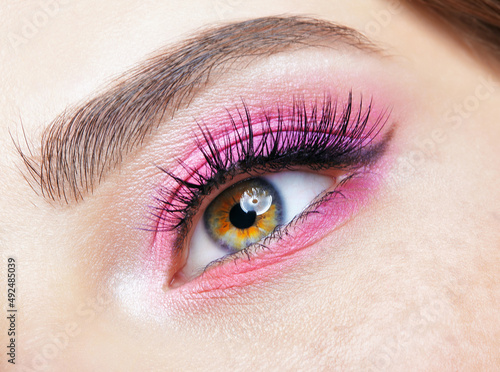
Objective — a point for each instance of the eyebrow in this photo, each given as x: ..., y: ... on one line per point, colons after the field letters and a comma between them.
x: 83, y: 143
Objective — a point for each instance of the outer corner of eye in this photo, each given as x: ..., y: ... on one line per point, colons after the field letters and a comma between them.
x: 246, y: 213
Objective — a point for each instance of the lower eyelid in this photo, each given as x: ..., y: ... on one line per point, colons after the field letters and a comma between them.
x: 257, y: 264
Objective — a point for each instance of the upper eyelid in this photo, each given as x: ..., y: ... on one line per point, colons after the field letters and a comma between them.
x: 79, y: 146
x: 177, y: 199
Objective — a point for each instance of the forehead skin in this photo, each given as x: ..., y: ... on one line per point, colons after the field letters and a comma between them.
x: 416, y: 283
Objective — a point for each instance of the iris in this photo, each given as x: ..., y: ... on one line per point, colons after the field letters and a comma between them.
x: 244, y: 214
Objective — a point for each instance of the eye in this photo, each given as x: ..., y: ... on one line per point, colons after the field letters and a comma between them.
x: 248, y: 212
x: 316, y: 161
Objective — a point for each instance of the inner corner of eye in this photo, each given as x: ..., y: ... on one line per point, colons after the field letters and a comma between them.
x: 248, y: 212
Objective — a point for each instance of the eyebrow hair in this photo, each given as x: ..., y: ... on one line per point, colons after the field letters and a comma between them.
x: 83, y: 143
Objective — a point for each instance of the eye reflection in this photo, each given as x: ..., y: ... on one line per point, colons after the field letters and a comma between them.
x: 244, y: 214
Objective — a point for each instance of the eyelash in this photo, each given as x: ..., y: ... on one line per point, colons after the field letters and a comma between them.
x: 279, y: 232
x: 319, y: 138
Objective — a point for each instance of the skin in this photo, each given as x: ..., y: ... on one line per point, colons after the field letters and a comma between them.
x: 411, y: 282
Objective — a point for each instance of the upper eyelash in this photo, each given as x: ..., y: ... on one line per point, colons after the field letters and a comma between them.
x: 320, y: 138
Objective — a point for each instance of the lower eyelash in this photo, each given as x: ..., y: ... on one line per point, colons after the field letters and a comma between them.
x: 281, y: 230
x: 321, y: 137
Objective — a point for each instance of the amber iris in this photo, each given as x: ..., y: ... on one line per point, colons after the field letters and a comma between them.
x: 243, y: 214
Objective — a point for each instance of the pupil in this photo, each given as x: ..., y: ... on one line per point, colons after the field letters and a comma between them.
x: 240, y: 219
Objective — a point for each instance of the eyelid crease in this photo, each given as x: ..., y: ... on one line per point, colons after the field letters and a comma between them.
x: 83, y: 143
